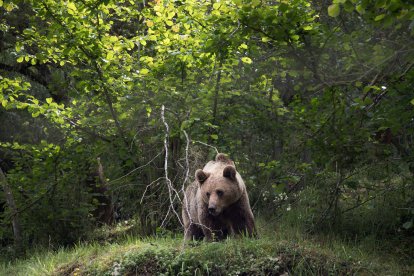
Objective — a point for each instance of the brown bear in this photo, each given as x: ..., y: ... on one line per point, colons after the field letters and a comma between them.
x: 216, y: 204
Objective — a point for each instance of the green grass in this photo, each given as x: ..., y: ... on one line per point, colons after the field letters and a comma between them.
x: 278, y: 250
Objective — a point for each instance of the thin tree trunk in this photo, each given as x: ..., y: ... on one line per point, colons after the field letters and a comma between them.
x: 15, y: 214
x: 215, y: 102
x: 216, y: 93
x: 110, y: 105
x: 106, y: 215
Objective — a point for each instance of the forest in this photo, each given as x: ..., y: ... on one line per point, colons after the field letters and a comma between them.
x: 107, y: 109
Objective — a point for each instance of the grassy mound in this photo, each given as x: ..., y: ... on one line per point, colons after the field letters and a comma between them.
x: 235, y: 257
x: 279, y: 251
x: 169, y: 256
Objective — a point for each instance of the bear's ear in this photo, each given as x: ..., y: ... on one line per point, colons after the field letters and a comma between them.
x: 230, y: 172
x: 201, y: 176
x: 221, y: 157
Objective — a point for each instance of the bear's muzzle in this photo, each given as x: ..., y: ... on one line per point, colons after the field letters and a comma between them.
x: 212, y: 210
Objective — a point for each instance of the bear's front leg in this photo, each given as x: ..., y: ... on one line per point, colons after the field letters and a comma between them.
x: 244, y: 224
x: 207, y: 228
x: 193, y: 231
x: 250, y: 226
x: 214, y: 230
x: 211, y: 227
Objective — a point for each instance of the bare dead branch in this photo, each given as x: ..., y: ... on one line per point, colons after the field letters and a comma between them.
x: 171, y: 190
x: 207, y: 145
x: 140, y: 167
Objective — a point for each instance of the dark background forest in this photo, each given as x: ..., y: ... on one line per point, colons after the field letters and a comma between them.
x: 108, y: 108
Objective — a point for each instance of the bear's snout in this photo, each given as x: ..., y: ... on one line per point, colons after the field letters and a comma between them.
x: 212, y: 210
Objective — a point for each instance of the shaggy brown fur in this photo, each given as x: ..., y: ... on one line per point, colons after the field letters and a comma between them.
x: 216, y: 204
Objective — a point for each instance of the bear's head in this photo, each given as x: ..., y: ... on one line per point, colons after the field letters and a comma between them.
x: 219, y: 188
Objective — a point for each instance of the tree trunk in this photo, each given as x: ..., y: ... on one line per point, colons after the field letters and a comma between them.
x: 216, y: 93
x: 15, y: 214
x: 215, y: 103
x: 108, y: 209
x: 104, y: 212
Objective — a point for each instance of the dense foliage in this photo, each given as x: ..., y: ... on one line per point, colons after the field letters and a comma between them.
x: 107, y: 108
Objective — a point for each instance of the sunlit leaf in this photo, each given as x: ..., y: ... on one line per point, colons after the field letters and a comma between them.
x: 360, y: 9
x: 379, y: 17
x: 144, y: 71
x: 247, y: 60
x: 110, y: 55
x: 71, y: 8
x: 334, y: 10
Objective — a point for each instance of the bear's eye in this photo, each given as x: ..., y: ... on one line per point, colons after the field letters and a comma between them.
x: 219, y: 192
x: 208, y: 194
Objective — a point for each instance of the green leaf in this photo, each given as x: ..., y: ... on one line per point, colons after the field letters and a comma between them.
x: 71, y: 8
x: 110, y: 55
x: 255, y: 3
x: 49, y: 100
x: 20, y: 59
x: 379, y: 17
x: 266, y: 39
x: 144, y: 71
x: 334, y: 10
x: 412, y: 101
x: 214, y: 136
x: 171, y: 14
x: 149, y: 110
x: 360, y: 9
x: 238, y: 2
x: 247, y: 60
x: 408, y: 225
x: 370, y: 87
x: 4, y: 102
x: 243, y: 46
